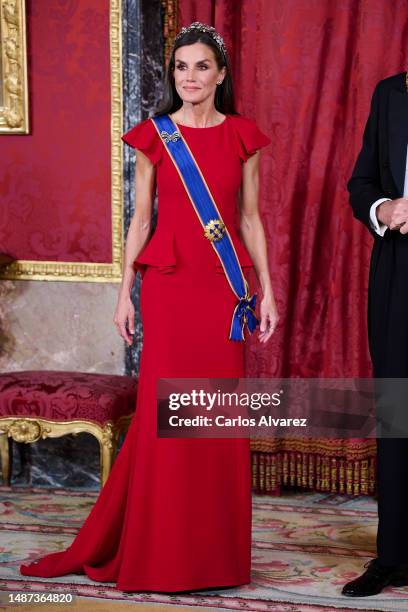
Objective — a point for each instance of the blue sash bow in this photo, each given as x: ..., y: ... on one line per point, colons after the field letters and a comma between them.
x: 214, y: 227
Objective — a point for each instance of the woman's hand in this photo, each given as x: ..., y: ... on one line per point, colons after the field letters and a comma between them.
x: 137, y: 236
x: 124, y: 318
x: 269, y: 318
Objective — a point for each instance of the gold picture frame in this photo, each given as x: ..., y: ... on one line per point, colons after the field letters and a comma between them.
x: 88, y: 271
x: 13, y: 68
x: 170, y: 26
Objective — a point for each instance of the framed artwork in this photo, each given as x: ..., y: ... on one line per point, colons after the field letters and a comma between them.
x: 62, y: 194
x: 62, y: 188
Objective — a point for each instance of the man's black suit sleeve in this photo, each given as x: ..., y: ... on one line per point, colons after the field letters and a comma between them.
x: 365, y: 183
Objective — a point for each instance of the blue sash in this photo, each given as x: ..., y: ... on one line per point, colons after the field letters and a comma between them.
x: 214, y: 227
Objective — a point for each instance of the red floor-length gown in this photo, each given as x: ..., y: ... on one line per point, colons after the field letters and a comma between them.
x: 175, y: 514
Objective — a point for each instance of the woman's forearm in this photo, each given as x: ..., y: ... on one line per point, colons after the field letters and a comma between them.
x: 138, y: 235
x: 254, y: 238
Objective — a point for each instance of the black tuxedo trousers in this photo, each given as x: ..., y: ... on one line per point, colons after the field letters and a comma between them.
x: 388, y: 338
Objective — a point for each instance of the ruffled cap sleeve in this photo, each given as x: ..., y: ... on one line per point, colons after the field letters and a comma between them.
x: 249, y: 137
x: 145, y: 138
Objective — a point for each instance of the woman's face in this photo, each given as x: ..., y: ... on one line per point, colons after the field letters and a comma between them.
x: 196, y: 73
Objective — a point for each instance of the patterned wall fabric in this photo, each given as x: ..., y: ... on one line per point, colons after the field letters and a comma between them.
x: 55, y: 183
x: 306, y: 71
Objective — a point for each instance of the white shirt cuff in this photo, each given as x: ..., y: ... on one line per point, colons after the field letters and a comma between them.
x: 378, y: 227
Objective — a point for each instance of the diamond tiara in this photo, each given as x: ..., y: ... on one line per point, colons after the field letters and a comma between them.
x: 202, y: 27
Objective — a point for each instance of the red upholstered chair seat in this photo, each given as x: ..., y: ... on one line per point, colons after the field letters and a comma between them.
x: 62, y: 396
x: 41, y: 404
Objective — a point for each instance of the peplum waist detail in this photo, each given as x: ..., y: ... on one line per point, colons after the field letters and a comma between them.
x: 164, y: 251
x: 158, y: 252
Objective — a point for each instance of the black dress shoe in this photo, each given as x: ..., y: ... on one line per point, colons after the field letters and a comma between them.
x: 374, y: 579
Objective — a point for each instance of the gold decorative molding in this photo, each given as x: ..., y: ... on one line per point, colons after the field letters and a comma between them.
x: 170, y: 25
x: 13, y: 68
x: 23, y: 430
x: 88, y: 271
x: 30, y: 429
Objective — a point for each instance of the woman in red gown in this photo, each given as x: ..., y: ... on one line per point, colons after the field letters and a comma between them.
x: 175, y: 513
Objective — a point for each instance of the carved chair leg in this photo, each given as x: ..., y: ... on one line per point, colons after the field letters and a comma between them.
x: 108, y: 445
x: 5, y: 458
x: 106, y: 460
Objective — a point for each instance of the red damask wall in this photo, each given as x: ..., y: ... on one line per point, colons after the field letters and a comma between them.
x: 305, y: 71
x: 55, y: 184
